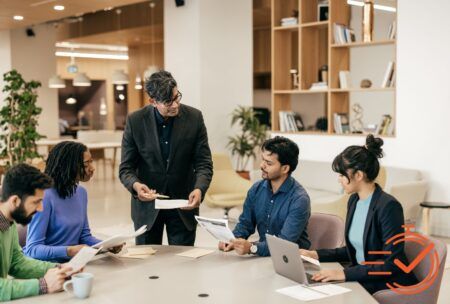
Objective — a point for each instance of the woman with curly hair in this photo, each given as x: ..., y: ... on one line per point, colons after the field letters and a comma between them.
x: 60, y: 231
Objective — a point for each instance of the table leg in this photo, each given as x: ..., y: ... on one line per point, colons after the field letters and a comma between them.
x: 113, y: 162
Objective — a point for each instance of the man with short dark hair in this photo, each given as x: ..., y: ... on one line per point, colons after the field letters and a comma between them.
x: 278, y: 205
x: 165, y: 151
x: 22, y: 193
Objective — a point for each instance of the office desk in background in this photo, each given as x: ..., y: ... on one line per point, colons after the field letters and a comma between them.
x: 97, y: 150
x: 226, y: 277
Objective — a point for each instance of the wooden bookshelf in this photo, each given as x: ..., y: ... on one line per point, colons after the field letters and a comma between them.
x: 306, y: 47
x: 362, y: 44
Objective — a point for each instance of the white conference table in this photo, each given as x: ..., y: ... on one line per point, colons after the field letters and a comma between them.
x: 224, y: 277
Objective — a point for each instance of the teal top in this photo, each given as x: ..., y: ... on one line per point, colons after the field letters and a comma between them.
x: 356, y: 231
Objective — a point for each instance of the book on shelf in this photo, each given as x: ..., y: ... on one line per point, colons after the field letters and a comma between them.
x: 388, y: 75
x: 344, y: 79
x: 392, y: 30
x: 341, y: 123
x: 343, y: 34
x: 384, y: 126
x: 319, y: 86
x: 290, y: 121
x: 289, y: 21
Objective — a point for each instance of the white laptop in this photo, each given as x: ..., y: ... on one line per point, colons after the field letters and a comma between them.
x: 287, y: 261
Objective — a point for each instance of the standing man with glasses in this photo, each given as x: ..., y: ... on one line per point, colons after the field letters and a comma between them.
x: 165, y: 151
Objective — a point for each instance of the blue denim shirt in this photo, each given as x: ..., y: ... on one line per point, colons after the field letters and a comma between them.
x: 284, y: 214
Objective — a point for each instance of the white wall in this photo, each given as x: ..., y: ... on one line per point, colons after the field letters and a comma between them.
x: 5, y: 59
x: 34, y: 58
x: 423, y: 104
x: 208, y: 47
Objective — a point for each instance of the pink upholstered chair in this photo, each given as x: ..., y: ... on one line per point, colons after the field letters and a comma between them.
x: 325, y: 231
x: 430, y: 295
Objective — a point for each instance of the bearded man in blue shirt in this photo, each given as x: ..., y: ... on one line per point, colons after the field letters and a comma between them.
x: 277, y: 205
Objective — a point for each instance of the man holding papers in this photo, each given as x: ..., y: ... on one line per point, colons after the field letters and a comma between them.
x: 277, y: 205
x: 22, y: 193
x: 165, y: 151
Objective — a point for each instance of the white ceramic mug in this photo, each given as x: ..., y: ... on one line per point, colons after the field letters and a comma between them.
x: 81, y: 285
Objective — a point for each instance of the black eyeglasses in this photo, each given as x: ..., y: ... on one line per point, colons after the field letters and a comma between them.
x: 176, y: 99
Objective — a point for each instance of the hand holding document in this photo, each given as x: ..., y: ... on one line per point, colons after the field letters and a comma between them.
x: 170, y: 204
x: 309, y: 293
x: 82, y: 258
x: 195, y: 253
x: 119, y: 239
x: 218, y: 228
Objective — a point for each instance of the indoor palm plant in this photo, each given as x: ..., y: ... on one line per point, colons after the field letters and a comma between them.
x: 19, y: 119
x: 250, y: 137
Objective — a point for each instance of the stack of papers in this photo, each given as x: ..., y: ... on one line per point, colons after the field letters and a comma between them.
x: 119, y: 239
x: 195, y: 253
x: 218, y: 228
x: 308, y: 293
x: 170, y: 204
x: 138, y: 252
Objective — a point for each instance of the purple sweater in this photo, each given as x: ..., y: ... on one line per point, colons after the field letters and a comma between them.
x: 62, y: 223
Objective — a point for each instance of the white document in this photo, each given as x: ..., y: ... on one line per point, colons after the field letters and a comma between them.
x: 119, y: 239
x: 218, y: 228
x: 309, y: 293
x: 82, y: 258
x: 311, y: 260
x: 171, y: 204
x: 195, y: 253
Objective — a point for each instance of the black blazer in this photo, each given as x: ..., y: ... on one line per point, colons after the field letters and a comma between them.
x: 189, y: 166
x: 384, y: 220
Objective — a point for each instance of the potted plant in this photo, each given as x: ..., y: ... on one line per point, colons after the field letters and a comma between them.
x: 252, y: 134
x: 18, y: 120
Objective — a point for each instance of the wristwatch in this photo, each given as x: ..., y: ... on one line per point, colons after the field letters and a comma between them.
x: 253, y: 248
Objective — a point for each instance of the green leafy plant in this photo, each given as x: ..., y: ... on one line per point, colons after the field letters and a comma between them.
x: 252, y: 134
x: 18, y: 119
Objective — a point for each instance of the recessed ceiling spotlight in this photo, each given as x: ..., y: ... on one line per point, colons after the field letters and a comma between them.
x: 18, y: 17
x: 58, y: 7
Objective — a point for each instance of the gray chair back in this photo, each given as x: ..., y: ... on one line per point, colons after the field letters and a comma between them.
x: 22, y: 232
x: 325, y: 231
x: 431, y: 294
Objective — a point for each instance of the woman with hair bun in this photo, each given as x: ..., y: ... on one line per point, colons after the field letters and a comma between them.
x: 373, y: 217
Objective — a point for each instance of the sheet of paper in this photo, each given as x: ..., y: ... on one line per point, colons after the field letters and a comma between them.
x: 218, y: 228
x: 82, y: 258
x: 170, y: 204
x: 309, y: 293
x: 118, y: 240
x: 139, y: 256
x: 311, y: 260
x: 195, y: 253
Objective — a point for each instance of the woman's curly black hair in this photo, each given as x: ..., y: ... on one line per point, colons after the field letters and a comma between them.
x: 64, y: 164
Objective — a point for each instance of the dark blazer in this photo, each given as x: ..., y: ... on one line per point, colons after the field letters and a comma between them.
x: 189, y: 166
x: 384, y: 220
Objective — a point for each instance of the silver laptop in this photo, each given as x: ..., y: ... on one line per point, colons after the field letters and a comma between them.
x: 287, y: 262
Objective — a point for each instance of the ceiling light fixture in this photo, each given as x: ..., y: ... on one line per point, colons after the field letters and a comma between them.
x: 376, y: 6
x: 119, y: 77
x: 71, y: 100
x: 18, y: 17
x: 92, y: 55
x: 56, y: 82
x: 81, y: 80
x: 59, y: 7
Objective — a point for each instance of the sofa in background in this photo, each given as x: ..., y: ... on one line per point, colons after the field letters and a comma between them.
x: 326, y: 194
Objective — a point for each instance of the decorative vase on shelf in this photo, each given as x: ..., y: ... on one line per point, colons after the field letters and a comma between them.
x: 367, y: 21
